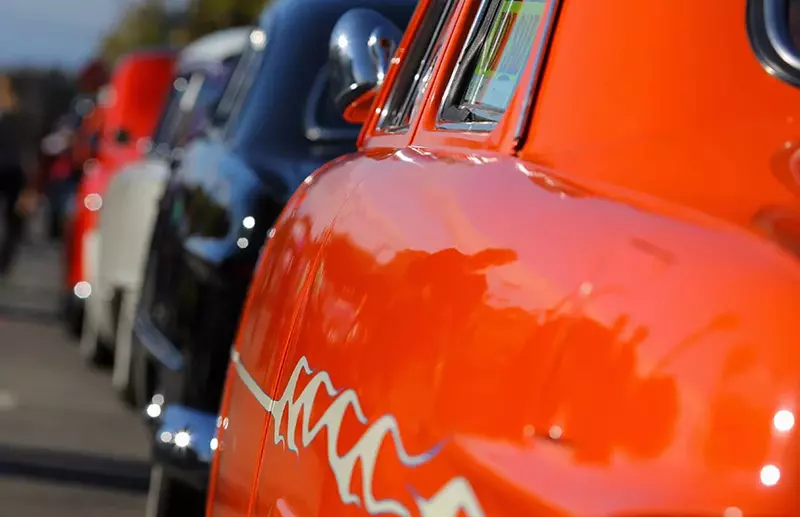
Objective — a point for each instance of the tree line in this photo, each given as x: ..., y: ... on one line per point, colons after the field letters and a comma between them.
x: 153, y: 23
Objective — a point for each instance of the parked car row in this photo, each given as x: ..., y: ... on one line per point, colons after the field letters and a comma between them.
x: 455, y: 257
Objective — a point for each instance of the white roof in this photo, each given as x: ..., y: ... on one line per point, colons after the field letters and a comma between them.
x: 216, y: 46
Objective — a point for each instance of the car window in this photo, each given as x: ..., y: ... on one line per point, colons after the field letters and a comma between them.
x: 420, y: 58
x: 493, y: 60
x: 164, y: 129
x: 241, y: 79
x: 794, y: 23
x: 197, y: 112
x: 213, y: 90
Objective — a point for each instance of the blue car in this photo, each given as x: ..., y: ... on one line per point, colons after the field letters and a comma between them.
x: 275, y: 124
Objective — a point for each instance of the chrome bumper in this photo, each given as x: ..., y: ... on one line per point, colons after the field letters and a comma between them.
x: 184, y: 443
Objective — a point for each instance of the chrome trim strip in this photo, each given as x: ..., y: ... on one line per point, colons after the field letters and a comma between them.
x: 485, y: 127
x: 192, y: 92
x: 154, y: 342
x: 250, y: 383
x: 533, y: 80
x: 408, y: 102
x: 778, y: 34
x: 447, y: 97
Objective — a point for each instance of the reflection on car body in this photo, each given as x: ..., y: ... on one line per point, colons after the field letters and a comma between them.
x: 131, y: 200
x: 541, y: 287
x: 273, y: 126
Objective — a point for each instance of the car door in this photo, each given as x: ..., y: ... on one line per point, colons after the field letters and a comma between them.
x: 478, y: 335
x: 193, y: 214
x: 370, y: 391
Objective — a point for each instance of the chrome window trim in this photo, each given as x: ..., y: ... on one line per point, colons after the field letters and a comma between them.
x: 252, y: 56
x: 171, y: 115
x: 529, y: 98
x: 192, y: 92
x: 457, y: 76
x: 250, y: 72
x: 441, y: 24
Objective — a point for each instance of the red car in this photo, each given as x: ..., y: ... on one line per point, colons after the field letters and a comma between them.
x: 130, y: 107
x: 559, y: 278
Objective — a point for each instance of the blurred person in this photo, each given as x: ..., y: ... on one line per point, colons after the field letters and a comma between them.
x: 58, y: 173
x: 18, y: 171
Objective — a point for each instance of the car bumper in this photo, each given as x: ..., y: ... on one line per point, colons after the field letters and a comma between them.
x: 184, y: 444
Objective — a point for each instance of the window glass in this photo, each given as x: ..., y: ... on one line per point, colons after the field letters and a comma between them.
x: 420, y: 58
x: 163, y: 132
x: 241, y: 79
x: 249, y: 73
x: 209, y: 96
x: 504, y: 51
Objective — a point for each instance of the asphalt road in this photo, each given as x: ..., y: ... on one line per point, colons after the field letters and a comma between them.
x: 68, y: 447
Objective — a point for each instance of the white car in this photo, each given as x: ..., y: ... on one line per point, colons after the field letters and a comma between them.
x: 129, y: 205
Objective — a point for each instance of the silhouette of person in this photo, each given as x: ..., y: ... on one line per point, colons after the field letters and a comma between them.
x: 18, y: 186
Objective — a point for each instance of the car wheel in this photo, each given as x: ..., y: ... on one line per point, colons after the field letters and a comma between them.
x: 54, y: 225
x: 124, y: 376
x: 93, y: 350
x: 170, y: 498
x: 73, y: 316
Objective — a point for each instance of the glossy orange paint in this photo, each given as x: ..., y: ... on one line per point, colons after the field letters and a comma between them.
x: 594, y: 317
x: 136, y: 95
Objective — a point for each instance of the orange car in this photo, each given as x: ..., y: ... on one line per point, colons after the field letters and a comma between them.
x: 121, y: 128
x: 560, y: 277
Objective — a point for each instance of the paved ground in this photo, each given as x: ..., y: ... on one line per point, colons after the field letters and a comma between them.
x: 67, y: 446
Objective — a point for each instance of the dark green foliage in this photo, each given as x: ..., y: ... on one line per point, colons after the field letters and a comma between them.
x: 150, y: 23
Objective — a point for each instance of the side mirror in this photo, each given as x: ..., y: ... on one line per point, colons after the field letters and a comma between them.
x: 323, y: 120
x: 361, y: 48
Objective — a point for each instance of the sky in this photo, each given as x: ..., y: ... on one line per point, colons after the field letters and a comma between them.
x: 53, y: 32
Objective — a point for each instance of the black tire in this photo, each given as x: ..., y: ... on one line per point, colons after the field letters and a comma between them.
x: 131, y: 394
x: 102, y: 357
x: 168, y: 497
x: 54, y: 225
x: 94, y: 350
x: 73, y: 316
x: 127, y: 393
x: 123, y: 376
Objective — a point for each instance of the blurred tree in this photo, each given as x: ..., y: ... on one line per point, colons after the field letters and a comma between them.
x: 142, y: 24
x: 205, y: 16
x: 44, y: 94
x: 152, y: 22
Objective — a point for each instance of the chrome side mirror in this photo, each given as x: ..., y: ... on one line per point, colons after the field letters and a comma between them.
x: 362, y: 45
